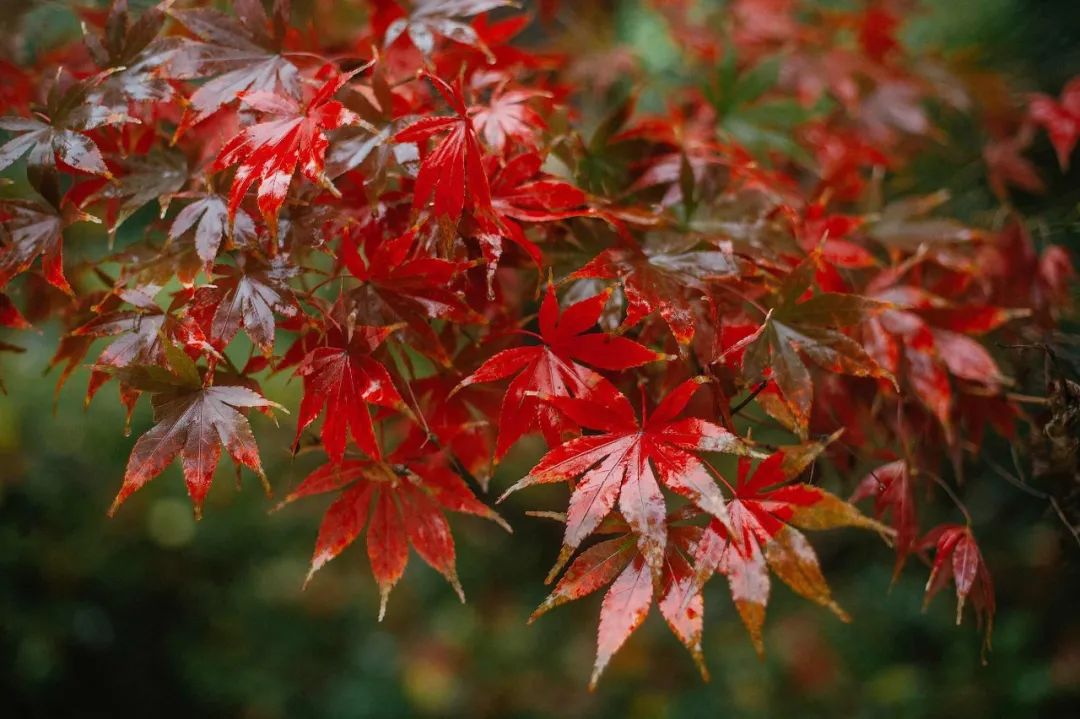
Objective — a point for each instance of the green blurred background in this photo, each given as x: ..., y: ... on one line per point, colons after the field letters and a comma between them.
x: 151, y: 614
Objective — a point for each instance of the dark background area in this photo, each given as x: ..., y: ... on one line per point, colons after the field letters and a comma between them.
x: 153, y: 614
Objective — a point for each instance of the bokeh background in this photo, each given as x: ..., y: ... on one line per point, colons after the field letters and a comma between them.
x: 153, y: 614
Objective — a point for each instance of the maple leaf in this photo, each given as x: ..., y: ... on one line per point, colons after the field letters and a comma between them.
x: 29, y: 229
x: 209, y: 215
x: 957, y: 556
x: 1060, y: 118
x: 668, y: 277
x: 765, y: 515
x: 507, y: 116
x: 402, y: 284
x: 520, y: 193
x: 134, y: 51
x: 239, y: 54
x: 903, y: 342
x: 246, y: 296
x: 270, y: 151
x: 454, y: 165
x: 342, y: 375
x: 891, y: 487
x: 628, y: 463
x: 155, y: 176
x: 458, y: 420
x: 618, y: 562
x: 138, y: 336
x: 794, y: 329
x: 58, y: 140
x: 407, y: 497
x: 553, y: 369
x: 192, y: 420
x: 441, y: 17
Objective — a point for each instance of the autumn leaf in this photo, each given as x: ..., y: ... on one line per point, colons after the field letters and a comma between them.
x: 765, y: 514
x: 454, y: 165
x: 342, y: 375
x: 665, y: 278
x: 1060, y: 118
x: 247, y: 296
x: 193, y: 421
x: 239, y: 55
x: 406, y: 497
x: 30, y: 229
x: 402, y: 284
x: 796, y: 329
x: 57, y: 139
x: 627, y: 464
x: 554, y: 369
x: 957, y: 557
x: 618, y: 562
x: 521, y: 193
x: 270, y: 151
x: 209, y: 215
x: 431, y: 18
x: 892, y: 489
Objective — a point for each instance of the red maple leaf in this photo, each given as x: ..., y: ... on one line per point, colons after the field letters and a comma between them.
x: 627, y: 464
x: 552, y: 369
x: 764, y: 515
x: 957, y: 556
x: 406, y: 497
x: 193, y: 420
x: 270, y: 151
x: 341, y: 375
x: 454, y: 165
x: 619, y: 563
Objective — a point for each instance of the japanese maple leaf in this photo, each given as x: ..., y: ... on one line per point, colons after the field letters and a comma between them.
x: 454, y: 165
x: 923, y: 356
x: 429, y: 18
x: 765, y: 515
x: 892, y: 489
x: 688, y: 148
x: 153, y: 177
x: 270, y: 151
x: 137, y: 335
x: 192, y: 420
x: 246, y: 296
x: 30, y: 229
x: 667, y: 277
x: 619, y: 563
x: 403, y: 284
x: 55, y: 138
x: 1060, y: 118
x: 793, y: 330
x: 342, y: 375
x: 209, y: 216
x: 459, y: 421
x: 553, y: 369
x: 508, y: 116
x: 406, y: 497
x: 135, y: 53
x: 627, y: 464
x: 239, y: 54
x: 957, y: 556
x: 520, y: 193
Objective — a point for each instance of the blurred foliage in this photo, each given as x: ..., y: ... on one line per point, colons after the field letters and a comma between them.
x: 151, y: 614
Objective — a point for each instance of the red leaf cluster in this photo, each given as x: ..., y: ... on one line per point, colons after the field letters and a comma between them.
x: 413, y: 221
